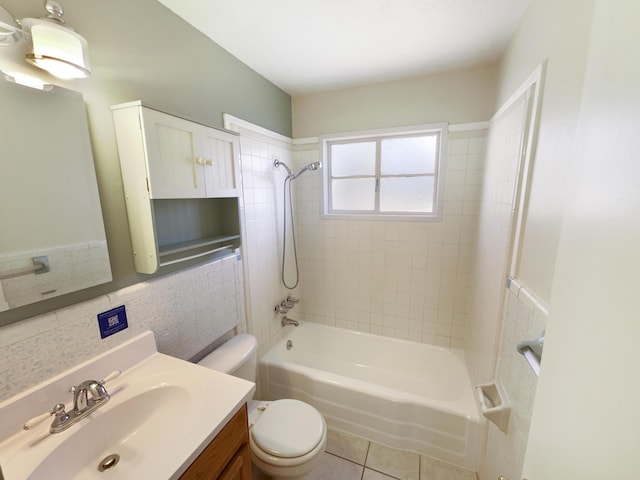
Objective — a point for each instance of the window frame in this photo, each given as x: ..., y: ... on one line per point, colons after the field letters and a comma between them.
x: 439, y: 129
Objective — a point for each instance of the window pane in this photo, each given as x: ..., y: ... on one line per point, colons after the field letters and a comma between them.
x: 408, y: 155
x: 406, y: 194
x: 353, y: 194
x: 353, y: 159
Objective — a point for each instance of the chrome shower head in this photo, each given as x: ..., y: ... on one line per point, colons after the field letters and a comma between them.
x: 311, y: 166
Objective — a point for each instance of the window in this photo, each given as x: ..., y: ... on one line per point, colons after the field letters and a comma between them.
x: 385, y: 174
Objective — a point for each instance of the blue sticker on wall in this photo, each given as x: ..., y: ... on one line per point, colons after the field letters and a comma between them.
x: 112, y: 321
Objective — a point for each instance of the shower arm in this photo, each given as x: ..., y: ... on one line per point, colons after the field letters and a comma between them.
x: 277, y: 163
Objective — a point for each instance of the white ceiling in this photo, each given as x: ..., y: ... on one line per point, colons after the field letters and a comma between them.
x: 304, y: 46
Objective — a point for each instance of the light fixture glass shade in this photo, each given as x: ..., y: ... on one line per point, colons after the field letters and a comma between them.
x: 56, y: 48
x: 12, y: 54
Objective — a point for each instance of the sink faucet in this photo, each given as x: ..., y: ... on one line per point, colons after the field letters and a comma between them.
x: 87, y: 397
x: 81, y: 399
x: 289, y: 321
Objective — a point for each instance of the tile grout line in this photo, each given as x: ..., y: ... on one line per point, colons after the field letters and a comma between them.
x: 346, y: 460
x: 366, y: 456
x: 382, y: 473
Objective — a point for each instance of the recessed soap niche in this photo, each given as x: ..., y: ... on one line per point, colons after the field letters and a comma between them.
x: 493, y: 405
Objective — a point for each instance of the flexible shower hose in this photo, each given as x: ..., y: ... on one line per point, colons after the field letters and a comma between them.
x: 287, y: 181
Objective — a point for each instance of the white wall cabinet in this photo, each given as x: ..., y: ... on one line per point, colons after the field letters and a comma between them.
x: 182, y: 184
x: 187, y: 159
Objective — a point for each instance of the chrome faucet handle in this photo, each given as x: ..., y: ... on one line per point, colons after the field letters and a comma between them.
x: 291, y: 299
x: 60, y: 415
x: 280, y: 309
x: 286, y: 304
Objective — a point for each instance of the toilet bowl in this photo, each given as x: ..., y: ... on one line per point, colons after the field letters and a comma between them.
x: 287, y: 437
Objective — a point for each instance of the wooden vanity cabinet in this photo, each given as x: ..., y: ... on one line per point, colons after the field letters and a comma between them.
x: 227, y: 457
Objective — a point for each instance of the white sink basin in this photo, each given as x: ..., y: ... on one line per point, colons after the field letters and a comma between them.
x: 130, y: 430
x: 162, y: 413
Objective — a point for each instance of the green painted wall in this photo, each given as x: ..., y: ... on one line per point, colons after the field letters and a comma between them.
x: 141, y: 50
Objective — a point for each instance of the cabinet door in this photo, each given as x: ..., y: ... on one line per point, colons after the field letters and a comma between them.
x: 174, y: 156
x: 240, y: 467
x: 221, y: 163
x: 227, y: 456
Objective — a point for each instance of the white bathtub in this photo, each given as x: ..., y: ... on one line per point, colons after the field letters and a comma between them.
x: 399, y: 393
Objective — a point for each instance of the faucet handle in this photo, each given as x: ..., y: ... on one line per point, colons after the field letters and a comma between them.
x: 58, y: 410
x: 113, y: 375
x: 291, y: 299
x: 60, y: 414
x: 281, y: 309
x: 29, y: 424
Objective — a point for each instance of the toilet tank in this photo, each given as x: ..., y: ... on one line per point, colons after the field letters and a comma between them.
x: 238, y: 357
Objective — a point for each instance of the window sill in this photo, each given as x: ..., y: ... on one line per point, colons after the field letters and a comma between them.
x: 382, y: 217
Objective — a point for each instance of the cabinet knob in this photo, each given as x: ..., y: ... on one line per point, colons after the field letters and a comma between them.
x: 200, y: 161
x: 209, y: 162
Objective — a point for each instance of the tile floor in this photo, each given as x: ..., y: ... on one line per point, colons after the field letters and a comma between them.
x: 348, y: 457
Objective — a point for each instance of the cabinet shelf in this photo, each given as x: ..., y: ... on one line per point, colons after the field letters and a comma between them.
x: 166, y: 250
x: 183, y: 251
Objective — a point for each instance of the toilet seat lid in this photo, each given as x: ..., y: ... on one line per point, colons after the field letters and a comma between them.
x: 288, y: 428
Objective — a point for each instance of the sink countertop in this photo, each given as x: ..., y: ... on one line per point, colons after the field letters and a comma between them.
x: 179, y: 408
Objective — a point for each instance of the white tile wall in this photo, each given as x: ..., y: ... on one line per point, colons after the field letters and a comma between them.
x: 496, y: 219
x: 524, y: 319
x: 187, y: 310
x: 262, y: 228
x: 404, y: 279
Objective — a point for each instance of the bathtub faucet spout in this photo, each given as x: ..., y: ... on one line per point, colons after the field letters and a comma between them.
x: 288, y: 321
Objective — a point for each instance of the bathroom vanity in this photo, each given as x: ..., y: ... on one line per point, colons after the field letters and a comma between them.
x: 228, y: 456
x: 166, y: 418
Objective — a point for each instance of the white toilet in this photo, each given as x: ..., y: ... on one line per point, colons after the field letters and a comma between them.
x: 287, y: 437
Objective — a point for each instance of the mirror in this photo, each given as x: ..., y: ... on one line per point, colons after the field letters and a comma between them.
x: 52, y: 238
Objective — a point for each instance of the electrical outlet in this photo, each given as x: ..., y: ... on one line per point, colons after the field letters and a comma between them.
x: 112, y: 321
